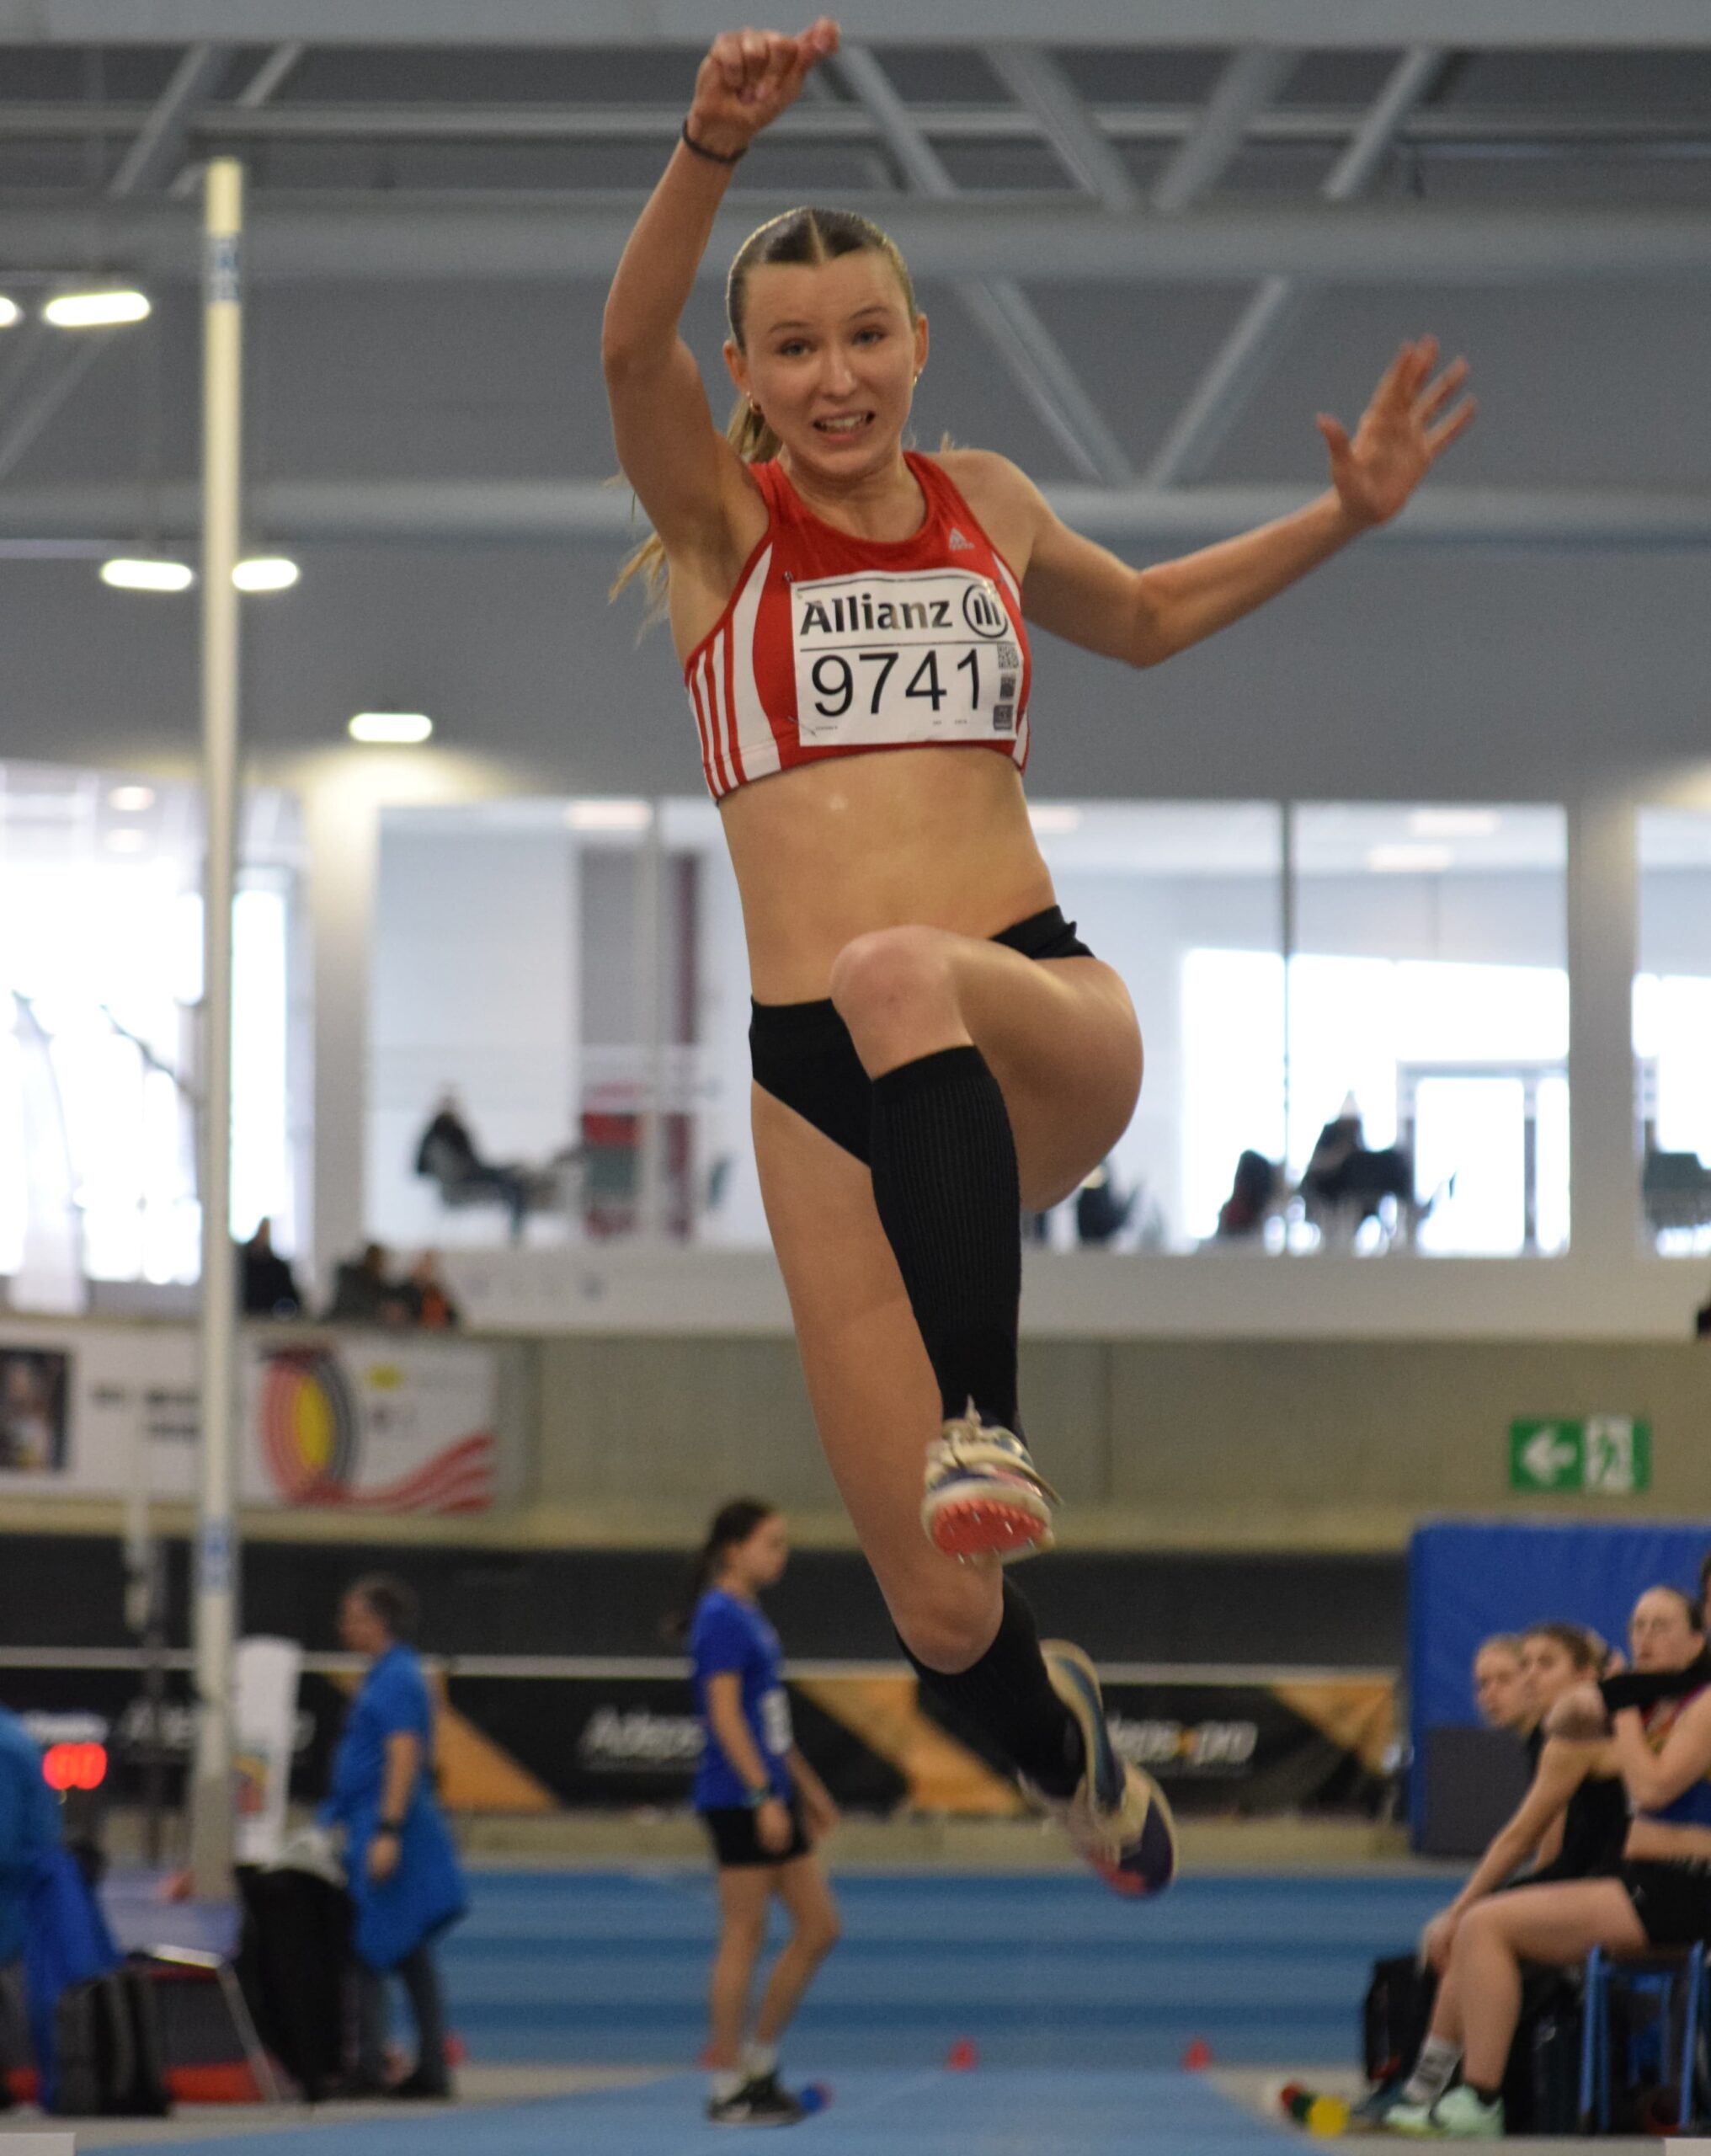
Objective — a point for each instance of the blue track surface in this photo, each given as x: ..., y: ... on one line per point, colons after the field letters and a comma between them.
x: 1039, y: 1970
x: 1006, y: 2113
x: 1080, y: 2005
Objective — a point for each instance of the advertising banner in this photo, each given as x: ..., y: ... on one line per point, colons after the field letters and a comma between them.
x: 615, y: 1735
x: 627, y: 1735
x: 350, y: 1421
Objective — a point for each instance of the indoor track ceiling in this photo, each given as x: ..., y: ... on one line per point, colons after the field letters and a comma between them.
x: 1151, y: 246
x: 1236, y: 191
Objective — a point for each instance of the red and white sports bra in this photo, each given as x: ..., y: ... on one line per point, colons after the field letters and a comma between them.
x: 836, y: 646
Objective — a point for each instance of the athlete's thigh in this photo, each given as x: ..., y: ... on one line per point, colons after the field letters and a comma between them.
x: 1561, y: 1922
x: 1060, y: 1037
x: 875, y: 1399
x: 745, y: 1891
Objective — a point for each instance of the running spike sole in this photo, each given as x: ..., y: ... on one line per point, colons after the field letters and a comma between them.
x: 1007, y: 1520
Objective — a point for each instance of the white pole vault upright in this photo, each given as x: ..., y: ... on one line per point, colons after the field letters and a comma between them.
x: 211, y: 1819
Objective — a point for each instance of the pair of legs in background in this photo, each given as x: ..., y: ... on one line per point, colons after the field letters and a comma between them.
x: 744, y: 2060
x: 431, y: 2075
x: 999, y: 1081
x: 1479, y: 2000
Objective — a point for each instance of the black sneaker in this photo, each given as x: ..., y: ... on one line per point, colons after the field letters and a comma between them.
x: 422, y: 2087
x: 758, y: 2102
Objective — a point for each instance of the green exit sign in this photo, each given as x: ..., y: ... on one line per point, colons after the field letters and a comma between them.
x: 1609, y: 1454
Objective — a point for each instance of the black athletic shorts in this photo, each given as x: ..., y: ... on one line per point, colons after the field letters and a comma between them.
x: 1672, y: 1896
x: 731, y: 1828
x: 801, y: 1053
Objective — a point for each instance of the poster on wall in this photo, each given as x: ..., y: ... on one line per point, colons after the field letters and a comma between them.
x: 32, y: 1383
x: 353, y: 1421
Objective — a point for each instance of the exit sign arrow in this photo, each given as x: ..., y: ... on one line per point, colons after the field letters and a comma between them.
x: 1550, y: 1459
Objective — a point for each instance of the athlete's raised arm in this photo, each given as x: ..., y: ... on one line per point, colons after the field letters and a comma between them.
x: 683, y: 469
x: 1083, y: 592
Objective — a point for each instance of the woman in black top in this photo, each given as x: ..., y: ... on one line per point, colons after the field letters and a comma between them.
x: 1570, y: 1824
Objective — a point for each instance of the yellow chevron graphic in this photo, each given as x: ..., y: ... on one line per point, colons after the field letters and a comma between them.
x: 942, y: 1775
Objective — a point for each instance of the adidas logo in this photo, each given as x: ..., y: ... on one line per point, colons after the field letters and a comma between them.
x: 958, y: 543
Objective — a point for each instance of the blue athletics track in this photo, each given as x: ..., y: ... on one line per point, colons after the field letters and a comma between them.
x: 1080, y: 2008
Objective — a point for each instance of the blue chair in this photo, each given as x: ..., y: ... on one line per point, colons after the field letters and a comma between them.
x: 1660, y: 1972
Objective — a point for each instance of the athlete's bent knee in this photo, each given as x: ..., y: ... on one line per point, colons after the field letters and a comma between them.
x: 819, y: 1938
x: 1482, y: 1924
x: 890, y: 973
x: 950, y: 1633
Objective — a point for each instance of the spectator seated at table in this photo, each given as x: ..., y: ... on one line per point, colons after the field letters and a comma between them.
x: 446, y: 1154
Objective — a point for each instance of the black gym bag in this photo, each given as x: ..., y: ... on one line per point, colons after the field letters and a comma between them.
x: 107, y: 2042
x: 293, y: 1959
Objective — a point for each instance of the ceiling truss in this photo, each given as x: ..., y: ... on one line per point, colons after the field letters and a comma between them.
x: 1097, y: 220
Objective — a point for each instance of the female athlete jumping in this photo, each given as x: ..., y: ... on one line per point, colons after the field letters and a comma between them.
x: 934, y: 1047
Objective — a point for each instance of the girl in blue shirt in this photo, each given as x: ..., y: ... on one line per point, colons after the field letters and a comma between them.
x: 764, y: 1809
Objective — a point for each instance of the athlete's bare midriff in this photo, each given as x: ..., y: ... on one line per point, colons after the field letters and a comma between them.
x: 1665, y: 1841
x: 927, y: 837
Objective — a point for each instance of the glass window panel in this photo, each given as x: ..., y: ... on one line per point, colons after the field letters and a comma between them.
x: 100, y: 923
x: 1672, y: 1028
x: 1428, y: 1028
x: 1470, y: 1150
x: 1184, y: 898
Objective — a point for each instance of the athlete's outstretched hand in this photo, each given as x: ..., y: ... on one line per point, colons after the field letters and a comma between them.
x: 748, y: 78
x: 1412, y: 420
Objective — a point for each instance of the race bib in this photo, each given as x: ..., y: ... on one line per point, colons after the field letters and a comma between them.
x: 775, y: 1731
x: 916, y: 655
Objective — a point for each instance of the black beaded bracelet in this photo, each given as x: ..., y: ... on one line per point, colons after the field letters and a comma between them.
x: 713, y: 157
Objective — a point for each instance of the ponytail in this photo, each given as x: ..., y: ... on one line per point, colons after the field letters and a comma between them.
x: 755, y: 443
x: 732, y: 1523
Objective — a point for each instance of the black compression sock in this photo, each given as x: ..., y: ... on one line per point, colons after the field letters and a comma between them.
x: 946, y: 1186
x: 1008, y: 1697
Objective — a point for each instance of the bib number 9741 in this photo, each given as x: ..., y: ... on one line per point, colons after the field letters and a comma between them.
x: 930, y: 656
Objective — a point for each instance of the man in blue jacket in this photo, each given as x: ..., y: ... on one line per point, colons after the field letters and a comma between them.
x: 30, y: 1828
x: 399, y: 1861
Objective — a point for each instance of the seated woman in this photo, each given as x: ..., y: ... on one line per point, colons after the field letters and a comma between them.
x: 1660, y: 1895
x: 1500, y: 1692
x: 1569, y: 1825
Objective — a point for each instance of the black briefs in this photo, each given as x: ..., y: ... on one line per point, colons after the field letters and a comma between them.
x: 1672, y: 1896
x: 801, y: 1053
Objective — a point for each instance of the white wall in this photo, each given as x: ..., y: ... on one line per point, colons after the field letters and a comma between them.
x: 474, y: 985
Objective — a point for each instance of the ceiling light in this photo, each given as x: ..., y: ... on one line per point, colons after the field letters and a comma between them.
x: 609, y: 815
x: 130, y: 800
x: 1051, y: 819
x: 103, y: 310
x: 401, y: 728
x: 266, y: 573
x: 1409, y: 859
x: 134, y: 572
x: 10, y: 311
x: 1454, y: 823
